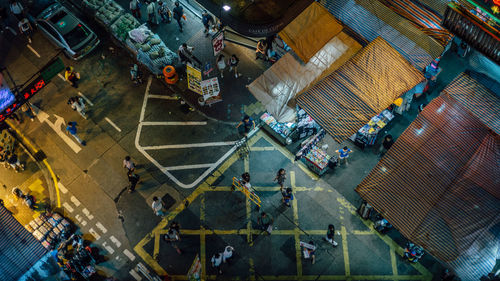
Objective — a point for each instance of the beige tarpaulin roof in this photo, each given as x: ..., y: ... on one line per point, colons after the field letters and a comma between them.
x: 287, y: 78
x: 310, y: 31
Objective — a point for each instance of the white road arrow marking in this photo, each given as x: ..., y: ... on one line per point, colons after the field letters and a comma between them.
x: 56, y: 126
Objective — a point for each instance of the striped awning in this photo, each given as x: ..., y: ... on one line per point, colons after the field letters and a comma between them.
x: 347, y: 99
x: 19, y: 250
x: 477, y: 99
x: 438, y: 185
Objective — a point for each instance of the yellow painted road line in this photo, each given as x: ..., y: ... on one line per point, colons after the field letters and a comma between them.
x: 156, y: 250
x: 298, y: 251
x: 362, y: 232
x: 249, y: 222
x: 345, y: 251
x: 251, y: 269
x: 393, y: 261
x: 35, y: 150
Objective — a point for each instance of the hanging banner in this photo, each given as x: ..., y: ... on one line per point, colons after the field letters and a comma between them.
x: 194, y: 79
x: 218, y: 42
x: 194, y: 273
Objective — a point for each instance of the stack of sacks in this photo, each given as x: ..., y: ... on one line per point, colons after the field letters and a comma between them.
x: 123, y: 25
x: 94, y: 4
x: 109, y: 12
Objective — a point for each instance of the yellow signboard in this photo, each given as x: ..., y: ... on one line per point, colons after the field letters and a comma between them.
x: 194, y: 79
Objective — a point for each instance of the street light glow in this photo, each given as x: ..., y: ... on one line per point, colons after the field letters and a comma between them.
x: 226, y: 8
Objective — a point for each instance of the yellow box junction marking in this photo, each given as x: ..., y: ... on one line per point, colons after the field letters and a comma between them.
x: 161, y: 228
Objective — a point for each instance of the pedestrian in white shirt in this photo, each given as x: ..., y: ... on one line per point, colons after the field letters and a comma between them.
x: 127, y: 163
x: 157, y: 207
x: 228, y: 254
x: 17, y: 9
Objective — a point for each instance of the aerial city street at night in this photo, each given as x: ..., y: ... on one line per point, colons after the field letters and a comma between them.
x: 249, y: 140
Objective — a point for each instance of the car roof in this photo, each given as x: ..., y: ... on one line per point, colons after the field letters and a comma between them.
x: 60, y: 18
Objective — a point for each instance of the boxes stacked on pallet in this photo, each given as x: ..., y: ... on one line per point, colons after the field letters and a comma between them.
x: 49, y: 229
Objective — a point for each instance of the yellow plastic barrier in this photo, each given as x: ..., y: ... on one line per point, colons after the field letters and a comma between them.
x: 249, y: 194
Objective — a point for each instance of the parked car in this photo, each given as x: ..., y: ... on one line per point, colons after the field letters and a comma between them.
x: 66, y: 31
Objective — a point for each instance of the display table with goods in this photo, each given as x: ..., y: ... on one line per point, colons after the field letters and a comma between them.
x: 283, y: 132
x: 367, y: 135
x: 315, y: 158
x: 50, y: 229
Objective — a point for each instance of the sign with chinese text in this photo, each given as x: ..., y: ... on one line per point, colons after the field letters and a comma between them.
x: 194, y: 79
x: 218, y: 42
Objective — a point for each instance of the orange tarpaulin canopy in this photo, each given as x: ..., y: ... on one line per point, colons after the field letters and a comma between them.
x: 310, y: 31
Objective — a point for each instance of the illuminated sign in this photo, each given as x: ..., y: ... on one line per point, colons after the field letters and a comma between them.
x: 27, y: 93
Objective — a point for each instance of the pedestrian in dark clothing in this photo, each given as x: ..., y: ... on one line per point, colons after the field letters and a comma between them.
x: 13, y: 161
x: 233, y: 64
x: 386, y: 145
x: 281, y: 177
x: 248, y: 125
x: 133, y: 179
x: 17, y: 9
x: 207, y: 20
x: 266, y: 222
x: 178, y: 14
x: 216, y: 262
x: 13, y: 116
x: 26, y: 108
x: 185, y: 53
x: 330, y: 234
x: 177, y: 227
x: 127, y: 163
x: 287, y: 196
x: 71, y: 128
x: 135, y: 8
x: 172, y: 237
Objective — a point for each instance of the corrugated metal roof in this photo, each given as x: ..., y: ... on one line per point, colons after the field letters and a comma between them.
x: 439, y: 186
x: 19, y: 250
x: 364, y: 86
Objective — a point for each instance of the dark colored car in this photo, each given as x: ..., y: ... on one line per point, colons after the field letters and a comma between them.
x: 66, y: 31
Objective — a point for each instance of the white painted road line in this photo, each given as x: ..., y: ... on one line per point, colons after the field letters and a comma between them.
x: 108, y: 248
x: 163, y: 97
x: 188, y: 145
x: 129, y: 255
x: 67, y: 207
x: 101, y: 227
x: 135, y: 275
x: 62, y: 188
x: 87, y: 213
x: 60, y: 76
x: 81, y: 220
x: 115, y: 241
x: 170, y: 123
x: 94, y: 233
x: 112, y: 124
x: 33, y: 50
x: 75, y: 201
x: 185, y: 167
x: 86, y: 99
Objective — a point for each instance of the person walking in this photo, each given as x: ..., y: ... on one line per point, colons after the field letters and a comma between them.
x: 386, y: 145
x: 287, y: 196
x: 227, y: 254
x: 221, y: 64
x: 216, y: 262
x: 207, y: 21
x: 127, y: 163
x: 177, y: 227
x: 178, y: 14
x: 71, y: 76
x: 157, y: 207
x: 164, y: 12
x: 311, y: 252
x: 266, y: 222
x: 78, y: 104
x: 14, y: 162
x: 135, y: 8
x: 248, y: 125
x: 17, y: 9
x: 133, y: 179
x: 151, y: 10
x: 26, y: 108
x: 281, y: 177
x: 343, y: 154
x: 25, y: 28
x: 185, y: 53
x: 173, y: 238
x: 233, y: 64
x: 330, y: 235
x: 71, y: 128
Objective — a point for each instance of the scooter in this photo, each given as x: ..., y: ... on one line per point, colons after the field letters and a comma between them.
x: 413, y: 252
x: 382, y: 225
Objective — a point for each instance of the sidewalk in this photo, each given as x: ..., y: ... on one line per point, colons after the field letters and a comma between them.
x: 237, y: 100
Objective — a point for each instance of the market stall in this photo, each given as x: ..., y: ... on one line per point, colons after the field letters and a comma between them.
x: 367, y: 135
x: 362, y: 88
x: 281, y: 131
